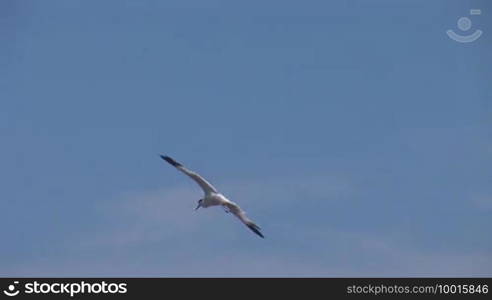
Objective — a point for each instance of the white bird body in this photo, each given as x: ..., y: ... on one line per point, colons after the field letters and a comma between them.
x: 213, y: 197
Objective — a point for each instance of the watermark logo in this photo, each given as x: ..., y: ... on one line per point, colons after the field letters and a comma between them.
x: 464, y: 24
x: 10, y: 291
x: 68, y: 288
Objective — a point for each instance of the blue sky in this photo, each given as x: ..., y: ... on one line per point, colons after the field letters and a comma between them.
x: 355, y: 133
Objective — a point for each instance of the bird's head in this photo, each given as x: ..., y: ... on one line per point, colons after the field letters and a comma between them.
x: 199, y: 204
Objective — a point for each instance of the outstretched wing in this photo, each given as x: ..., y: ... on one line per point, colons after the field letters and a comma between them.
x: 241, y: 215
x: 205, y: 185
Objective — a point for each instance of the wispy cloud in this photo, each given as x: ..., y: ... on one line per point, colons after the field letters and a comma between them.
x: 162, y: 213
x: 157, y: 233
x: 335, y: 254
x: 483, y: 202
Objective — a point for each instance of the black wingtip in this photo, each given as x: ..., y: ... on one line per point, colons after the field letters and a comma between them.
x: 170, y: 160
x: 255, y: 229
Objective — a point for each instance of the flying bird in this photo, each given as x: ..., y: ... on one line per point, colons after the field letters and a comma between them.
x: 213, y: 197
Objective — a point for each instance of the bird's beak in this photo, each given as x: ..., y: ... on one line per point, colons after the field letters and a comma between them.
x: 199, y: 204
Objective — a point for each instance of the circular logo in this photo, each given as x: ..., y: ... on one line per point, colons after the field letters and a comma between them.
x: 464, y: 23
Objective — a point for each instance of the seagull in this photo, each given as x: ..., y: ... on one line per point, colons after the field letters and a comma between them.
x: 213, y: 197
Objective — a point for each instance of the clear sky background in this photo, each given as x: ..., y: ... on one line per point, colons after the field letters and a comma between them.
x: 355, y: 133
